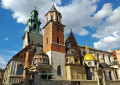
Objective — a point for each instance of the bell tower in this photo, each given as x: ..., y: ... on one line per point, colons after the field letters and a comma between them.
x: 33, y: 32
x: 53, y: 43
x: 33, y: 23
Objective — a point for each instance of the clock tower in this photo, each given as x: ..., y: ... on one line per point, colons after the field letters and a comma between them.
x: 53, y: 43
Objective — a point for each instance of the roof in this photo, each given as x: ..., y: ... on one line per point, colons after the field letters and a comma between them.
x: 91, y: 48
x: 53, y: 9
x: 83, y: 46
x: 89, y: 56
x: 35, y: 38
x: 72, y: 52
x: 104, y: 65
x: 34, y: 10
x: 40, y: 52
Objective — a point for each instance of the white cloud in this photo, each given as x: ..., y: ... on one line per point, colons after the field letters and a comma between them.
x: 81, y: 32
x: 6, y: 38
x: 74, y: 15
x: 3, y: 63
x: 110, y: 42
x: 109, y: 32
x: 101, y: 14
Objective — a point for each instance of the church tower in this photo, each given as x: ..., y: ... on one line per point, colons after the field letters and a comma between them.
x: 33, y: 32
x: 54, y: 44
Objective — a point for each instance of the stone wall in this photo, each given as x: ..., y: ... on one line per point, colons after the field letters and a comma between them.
x: 87, y: 82
x: 66, y: 82
x: 112, y: 82
x: 54, y: 82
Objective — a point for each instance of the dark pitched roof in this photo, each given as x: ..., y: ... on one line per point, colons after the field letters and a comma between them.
x: 35, y: 38
x: 53, y: 9
x: 115, y: 63
x: 40, y: 52
x: 72, y: 52
x: 104, y: 65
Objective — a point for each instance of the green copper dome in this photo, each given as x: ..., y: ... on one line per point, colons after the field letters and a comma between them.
x: 33, y: 24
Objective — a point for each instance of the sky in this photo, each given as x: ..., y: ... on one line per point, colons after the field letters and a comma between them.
x: 97, y: 21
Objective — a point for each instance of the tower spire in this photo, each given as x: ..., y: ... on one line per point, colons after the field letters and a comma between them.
x: 53, y: 9
x: 71, y: 30
x: 53, y: 15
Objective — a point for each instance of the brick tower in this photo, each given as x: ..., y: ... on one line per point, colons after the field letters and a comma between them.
x: 53, y: 43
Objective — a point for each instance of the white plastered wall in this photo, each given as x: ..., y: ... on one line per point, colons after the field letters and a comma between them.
x: 56, y: 59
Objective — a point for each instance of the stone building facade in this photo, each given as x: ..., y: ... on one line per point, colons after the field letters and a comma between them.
x: 52, y: 58
x: 1, y: 76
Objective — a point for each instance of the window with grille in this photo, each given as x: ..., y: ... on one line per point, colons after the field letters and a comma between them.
x: 20, y: 70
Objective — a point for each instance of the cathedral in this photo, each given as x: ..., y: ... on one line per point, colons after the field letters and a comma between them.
x: 52, y: 59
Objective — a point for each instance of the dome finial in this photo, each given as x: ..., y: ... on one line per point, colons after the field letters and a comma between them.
x: 86, y: 48
x: 71, y: 30
x: 35, y: 7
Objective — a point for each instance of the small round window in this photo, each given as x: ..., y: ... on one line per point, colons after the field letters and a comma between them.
x: 89, y: 63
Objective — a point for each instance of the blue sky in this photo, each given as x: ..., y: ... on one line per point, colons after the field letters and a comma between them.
x: 96, y: 21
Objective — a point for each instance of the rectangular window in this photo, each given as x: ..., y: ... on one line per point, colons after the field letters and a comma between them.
x: 51, y: 17
x: 20, y: 69
x: 35, y: 15
x: 57, y: 29
x: 47, y: 41
x: 58, y: 40
x: 34, y: 26
x: 43, y: 59
x: 57, y: 18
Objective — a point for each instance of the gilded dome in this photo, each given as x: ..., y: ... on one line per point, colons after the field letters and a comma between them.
x: 89, y: 56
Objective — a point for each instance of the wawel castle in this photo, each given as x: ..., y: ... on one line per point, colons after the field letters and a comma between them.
x: 52, y: 59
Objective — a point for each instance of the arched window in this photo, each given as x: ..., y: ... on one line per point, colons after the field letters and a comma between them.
x: 59, y: 70
x: 51, y: 17
x: 35, y: 26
